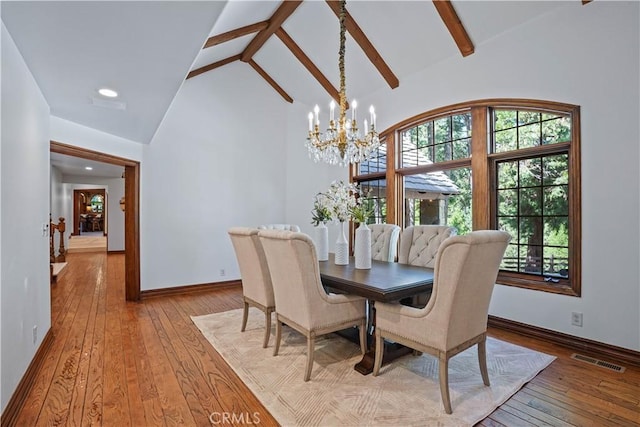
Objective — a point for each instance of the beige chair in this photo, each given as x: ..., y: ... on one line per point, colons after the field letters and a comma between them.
x: 301, y: 301
x: 384, y: 241
x: 455, y: 318
x: 288, y: 227
x: 419, y: 244
x: 256, y: 280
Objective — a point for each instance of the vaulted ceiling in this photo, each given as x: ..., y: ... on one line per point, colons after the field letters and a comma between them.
x: 146, y: 50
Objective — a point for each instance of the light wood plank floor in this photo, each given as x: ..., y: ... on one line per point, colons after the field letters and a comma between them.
x: 114, y: 363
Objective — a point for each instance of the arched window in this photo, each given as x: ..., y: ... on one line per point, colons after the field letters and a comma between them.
x: 493, y: 164
x: 97, y: 203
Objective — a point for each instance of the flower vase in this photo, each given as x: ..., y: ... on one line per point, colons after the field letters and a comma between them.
x: 362, y: 248
x: 322, y: 242
x: 342, y: 247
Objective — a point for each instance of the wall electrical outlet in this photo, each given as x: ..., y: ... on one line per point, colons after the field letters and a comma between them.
x: 576, y: 318
x: 35, y: 334
x: 222, y: 272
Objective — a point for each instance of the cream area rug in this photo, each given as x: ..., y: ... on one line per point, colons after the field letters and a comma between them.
x: 406, y: 392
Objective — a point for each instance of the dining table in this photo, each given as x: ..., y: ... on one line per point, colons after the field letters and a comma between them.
x: 383, y: 282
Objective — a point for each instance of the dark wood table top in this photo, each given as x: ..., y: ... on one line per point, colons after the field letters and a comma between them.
x: 385, y: 281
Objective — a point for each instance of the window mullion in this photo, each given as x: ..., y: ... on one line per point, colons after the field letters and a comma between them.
x: 480, y: 169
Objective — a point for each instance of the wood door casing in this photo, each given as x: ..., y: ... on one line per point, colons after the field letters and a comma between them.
x: 131, y: 214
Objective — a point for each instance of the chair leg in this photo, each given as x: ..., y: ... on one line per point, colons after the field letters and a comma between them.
x: 311, y: 340
x: 245, y: 316
x: 482, y: 359
x: 363, y: 337
x: 278, y: 336
x: 267, y: 329
x: 379, y: 350
x: 444, y: 382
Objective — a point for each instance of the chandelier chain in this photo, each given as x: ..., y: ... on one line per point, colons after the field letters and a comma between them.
x: 341, y: 53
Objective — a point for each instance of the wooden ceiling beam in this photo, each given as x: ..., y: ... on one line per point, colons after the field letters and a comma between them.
x: 277, y: 19
x: 269, y: 80
x: 212, y: 66
x: 234, y: 34
x: 366, y: 46
x: 308, y: 64
x: 454, y: 25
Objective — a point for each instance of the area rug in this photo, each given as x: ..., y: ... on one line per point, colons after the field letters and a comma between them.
x: 406, y: 392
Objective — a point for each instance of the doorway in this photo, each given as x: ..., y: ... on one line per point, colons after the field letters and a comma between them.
x: 89, y: 211
x: 131, y: 211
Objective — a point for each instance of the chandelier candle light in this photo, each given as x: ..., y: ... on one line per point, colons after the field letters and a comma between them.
x: 342, y: 143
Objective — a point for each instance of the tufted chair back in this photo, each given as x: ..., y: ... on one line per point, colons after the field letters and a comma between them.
x: 288, y: 227
x: 419, y: 244
x: 384, y: 241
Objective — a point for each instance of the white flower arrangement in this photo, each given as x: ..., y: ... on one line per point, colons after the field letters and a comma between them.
x: 340, y: 199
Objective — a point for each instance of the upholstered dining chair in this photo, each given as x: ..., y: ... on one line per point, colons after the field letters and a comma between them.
x: 301, y: 301
x: 254, y: 271
x: 455, y: 318
x: 288, y: 227
x: 384, y: 241
x: 419, y: 244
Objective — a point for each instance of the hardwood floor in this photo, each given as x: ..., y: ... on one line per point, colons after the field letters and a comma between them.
x: 114, y: 363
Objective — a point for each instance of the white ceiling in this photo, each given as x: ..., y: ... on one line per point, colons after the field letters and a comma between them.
x: 144, y: 49
x: 76, y: 166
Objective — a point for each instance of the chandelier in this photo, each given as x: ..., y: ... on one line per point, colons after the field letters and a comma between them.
x: 342, y: 142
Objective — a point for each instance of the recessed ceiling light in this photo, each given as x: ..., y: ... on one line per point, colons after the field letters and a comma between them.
x: 108, y: 92
x: 89, y: 168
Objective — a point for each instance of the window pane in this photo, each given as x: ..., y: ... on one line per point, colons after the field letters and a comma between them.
x: 556, y: 232
x: 515, y: 130
x: 440, y: 140
x: 556, y: 200
x: 510, y: 259
x: 504, y: 119
x: 507, y: 202
x: 530, y: 201
x: 556, y: 130
x: 505, y: 140
x: 526, y: 117
x: 556, y: 169
x: 441, y: 198
x: 530, y: 172
x: 374, y: 195
x: 538, y: 218
x: 529, y: 136
x: 443, y: 152
x: 507, y: 175
x: 461, y: 148
x: 442, y: 130
x: 556, y: 262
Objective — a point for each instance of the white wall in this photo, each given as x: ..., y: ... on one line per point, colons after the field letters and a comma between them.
x: 24, y: 288
x: 71, y: 133
x: 584, y: 55
x: 218, y: 160
x: 56, y: 195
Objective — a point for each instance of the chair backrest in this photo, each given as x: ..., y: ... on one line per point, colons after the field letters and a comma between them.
x: 295, y: 275
x: 256, y: 279
x: 288, y: 227
x: 384, y: 241
x: 465, y: 272
x: 419, y: 244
